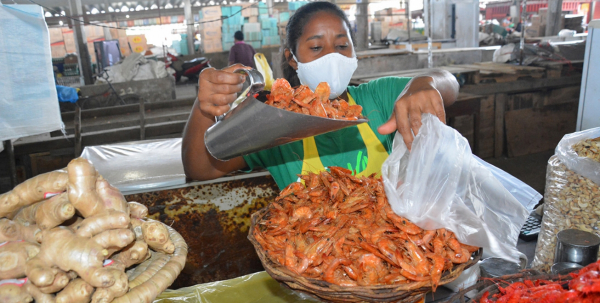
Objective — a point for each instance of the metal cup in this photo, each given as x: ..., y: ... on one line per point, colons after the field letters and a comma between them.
x: 576, y: 246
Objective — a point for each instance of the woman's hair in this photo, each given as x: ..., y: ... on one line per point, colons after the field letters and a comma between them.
x: 295, y: 28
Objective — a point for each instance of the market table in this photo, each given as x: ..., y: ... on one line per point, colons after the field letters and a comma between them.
x: 260, y: 287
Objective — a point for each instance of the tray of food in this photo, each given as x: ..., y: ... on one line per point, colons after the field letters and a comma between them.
x: 532, y: 286
x: 334, y: 235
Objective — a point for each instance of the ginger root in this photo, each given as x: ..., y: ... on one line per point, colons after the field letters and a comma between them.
x: 32, y: 191
x: 119, y: 288
x: 13, y: 231
x: 137, y: 210
x: 115, y: 239
x: 111, y: 196
x: 67, y: 251
x: 48, y: 213
x: 110, y: 219
x: 135, y: 253
x: 82, y: 187
x: 13, y: 256
x: 77, y: 291
x: 11, y: 292
x: 157, y: 236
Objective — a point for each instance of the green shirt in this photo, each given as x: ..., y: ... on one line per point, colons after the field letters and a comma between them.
x: 344, y: 147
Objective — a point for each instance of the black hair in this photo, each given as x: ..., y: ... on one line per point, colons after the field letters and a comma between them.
x: 295, y: 28
x: 239, y: 36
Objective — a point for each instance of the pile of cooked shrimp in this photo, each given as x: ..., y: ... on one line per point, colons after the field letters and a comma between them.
x: 340, y: 228
x: 303, y: 100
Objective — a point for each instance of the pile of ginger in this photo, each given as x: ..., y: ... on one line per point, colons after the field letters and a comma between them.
x: 69, y: 236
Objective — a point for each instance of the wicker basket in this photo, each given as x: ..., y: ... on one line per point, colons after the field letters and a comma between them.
x: 143, y: 278
x: 490, y: 285
x: 407, y: 292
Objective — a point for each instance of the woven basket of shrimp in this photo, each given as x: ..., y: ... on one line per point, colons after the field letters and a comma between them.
x: 525, y: 286
x: 335, y: 236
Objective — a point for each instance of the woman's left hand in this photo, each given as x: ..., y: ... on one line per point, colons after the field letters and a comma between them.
x: 420, y: 96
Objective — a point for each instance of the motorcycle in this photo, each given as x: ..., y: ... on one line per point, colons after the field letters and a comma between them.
x: 190, y: 69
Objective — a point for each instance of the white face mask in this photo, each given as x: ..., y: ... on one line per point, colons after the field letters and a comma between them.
x: 335, y: 69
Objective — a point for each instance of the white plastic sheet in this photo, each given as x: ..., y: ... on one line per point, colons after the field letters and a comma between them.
x: 581, y: 165
x: 137, y: 166
x: 28, y: 99
x: 135, y: 68
x: 440, y: 184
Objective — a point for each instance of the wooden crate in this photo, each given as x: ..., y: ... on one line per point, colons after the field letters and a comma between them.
x: 486, y: 127
x: 536, y: 130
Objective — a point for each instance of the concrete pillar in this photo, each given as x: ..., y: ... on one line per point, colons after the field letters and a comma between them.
x: 408, y: 19
x: 270, y: 7
x: 553, y: 18
x: 362, y: 25
x: 189, y: 20
x: 81, y: 42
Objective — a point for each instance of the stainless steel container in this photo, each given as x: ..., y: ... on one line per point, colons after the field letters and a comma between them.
x: 563, y: 268
x: 576, y: 246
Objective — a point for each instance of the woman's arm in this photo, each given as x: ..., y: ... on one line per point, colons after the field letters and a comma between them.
x: 428, y: 93
x: 217, y: 89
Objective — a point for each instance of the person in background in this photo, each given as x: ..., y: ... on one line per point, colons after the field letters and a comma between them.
x: 241, y: 52
x: 507, y: 22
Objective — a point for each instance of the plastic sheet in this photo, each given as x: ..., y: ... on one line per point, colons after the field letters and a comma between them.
x: 571, y: 199
x: 125, y: 165
x: 135, y: 67
x: 581, y: 165
x: 440, y: 184
x: 28, y: 99
x: 257, y: 287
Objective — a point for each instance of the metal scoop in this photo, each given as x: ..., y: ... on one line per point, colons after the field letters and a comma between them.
x: 251, y: 126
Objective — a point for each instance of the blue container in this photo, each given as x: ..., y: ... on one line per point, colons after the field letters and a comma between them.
x: 284, y: 16
x: 183, y: 45
x: 225, y: 10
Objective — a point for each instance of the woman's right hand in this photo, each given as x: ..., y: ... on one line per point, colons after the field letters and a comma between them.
x: 217, y: 89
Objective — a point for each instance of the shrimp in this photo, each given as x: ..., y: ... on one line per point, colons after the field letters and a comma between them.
x: 282, y: 92
x: 330, y: 273
x: 303, y: 95
x: 389, y: 249
x: 427, y: 237
x: 419, y: 261
x: 462, y: 257
x: 303, y: 212
x: 436, y: 270
x: 289, y: 190
x: 372, y: 269
x: 323, y: 91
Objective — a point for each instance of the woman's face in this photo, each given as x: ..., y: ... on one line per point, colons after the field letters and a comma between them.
x: 324, y: 34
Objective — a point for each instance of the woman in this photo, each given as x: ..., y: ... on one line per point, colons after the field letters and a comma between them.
x: 319, y: 48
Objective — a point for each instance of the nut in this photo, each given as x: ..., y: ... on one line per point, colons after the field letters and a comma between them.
x: 571, y: 201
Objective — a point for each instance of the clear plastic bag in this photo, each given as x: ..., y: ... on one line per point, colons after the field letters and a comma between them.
x: 257, y: 287
x: 572, y: 196
x: 440, y: 184
x: 581, y: 165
